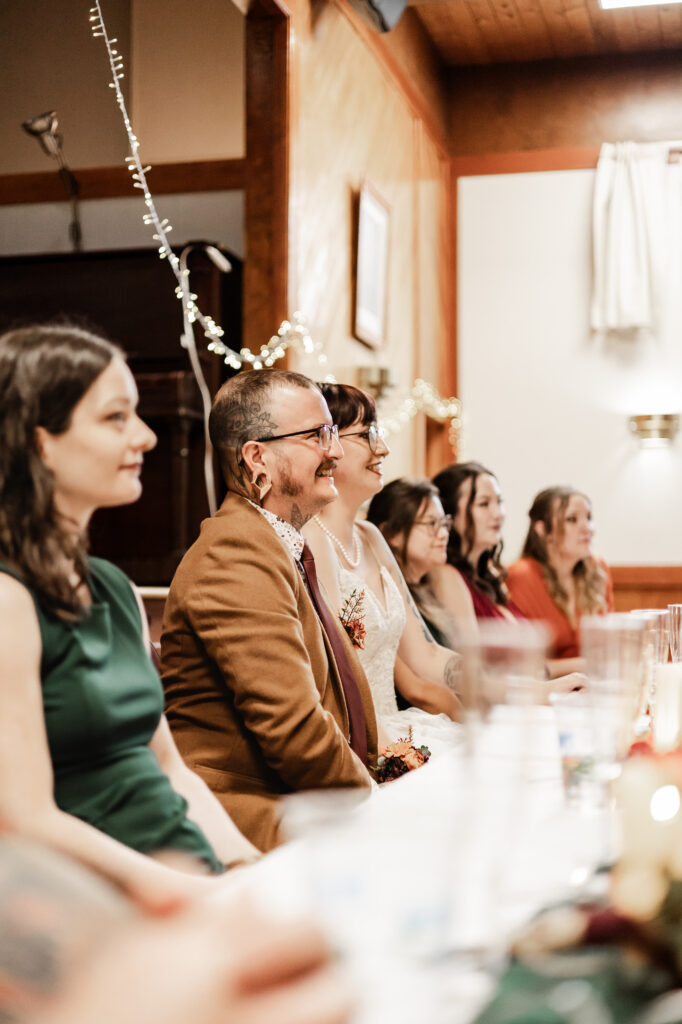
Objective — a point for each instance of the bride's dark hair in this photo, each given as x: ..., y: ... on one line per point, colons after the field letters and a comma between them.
x: 44, y: 372
x: 348, y: 404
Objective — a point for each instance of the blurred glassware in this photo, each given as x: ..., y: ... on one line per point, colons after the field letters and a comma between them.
x: 656, y: 653
x: 503, y: 664
x: 573, y: 713
x: 675, y: 627
x: 378, y: 875
x: 615, y: 649
x: 661, y: 620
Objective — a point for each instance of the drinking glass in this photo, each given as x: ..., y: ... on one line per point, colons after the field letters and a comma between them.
x: 378, y: 875
x: 615, y: 648
x: 660, y: 620
x: 503, y: 663
x: 573, y: 713
x: 675, y: 626
x: 509, y: 742
x: 656, y: 652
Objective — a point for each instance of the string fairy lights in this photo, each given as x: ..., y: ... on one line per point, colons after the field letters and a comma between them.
x: 423, y: 397
x: 293, y: 333
x: 289, y: 335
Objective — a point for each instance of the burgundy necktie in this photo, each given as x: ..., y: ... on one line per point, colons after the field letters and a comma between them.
x: 356, y: 715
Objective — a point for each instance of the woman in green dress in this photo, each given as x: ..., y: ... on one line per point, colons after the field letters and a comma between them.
x: 87, y: 762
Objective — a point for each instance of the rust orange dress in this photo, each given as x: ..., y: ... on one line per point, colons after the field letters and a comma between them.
x: 529, y: 593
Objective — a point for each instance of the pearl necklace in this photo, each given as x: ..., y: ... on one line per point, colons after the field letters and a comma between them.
x: 353, y: 562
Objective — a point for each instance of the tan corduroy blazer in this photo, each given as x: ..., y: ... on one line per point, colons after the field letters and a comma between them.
x: 253, y: 694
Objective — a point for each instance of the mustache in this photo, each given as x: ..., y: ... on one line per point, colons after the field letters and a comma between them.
x: 327, y: 464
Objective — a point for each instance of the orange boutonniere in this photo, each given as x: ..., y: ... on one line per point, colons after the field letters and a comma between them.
x: 352, y: 615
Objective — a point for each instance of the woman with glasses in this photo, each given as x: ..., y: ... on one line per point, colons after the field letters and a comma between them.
x: 366, y: 589
x: 410, y: 516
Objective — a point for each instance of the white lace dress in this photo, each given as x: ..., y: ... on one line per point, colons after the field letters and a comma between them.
x: 384, y: 625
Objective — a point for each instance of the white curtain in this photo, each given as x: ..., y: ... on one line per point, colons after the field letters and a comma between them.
x: 629, y: 236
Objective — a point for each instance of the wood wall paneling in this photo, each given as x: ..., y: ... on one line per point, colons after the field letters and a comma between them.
x: 500, y: 31
x: 646, y: 586
x: 356, y: 118
x: 565, y: 104
x: 408, y: 55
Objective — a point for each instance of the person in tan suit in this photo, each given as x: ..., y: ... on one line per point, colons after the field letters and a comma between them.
x: 264, y: 693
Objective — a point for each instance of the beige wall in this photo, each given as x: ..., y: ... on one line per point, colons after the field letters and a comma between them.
x: 183, y: 84
x: 188, y: 79
x: 351, y: 120
x: 50, y: 61
x: 545, y: 401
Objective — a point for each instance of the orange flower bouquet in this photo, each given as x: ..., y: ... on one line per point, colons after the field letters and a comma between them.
x: 400, y: 757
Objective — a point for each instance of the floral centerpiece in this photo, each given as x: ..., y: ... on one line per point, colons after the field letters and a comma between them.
x: 615, y: 960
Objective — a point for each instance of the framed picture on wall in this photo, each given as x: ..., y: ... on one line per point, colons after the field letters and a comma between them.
x: 371, y: 262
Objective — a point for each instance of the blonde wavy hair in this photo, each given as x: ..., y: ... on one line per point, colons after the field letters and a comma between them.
x: 591, y: 581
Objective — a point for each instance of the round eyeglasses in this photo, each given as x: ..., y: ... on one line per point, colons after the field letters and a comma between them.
x: 373, y: 435
x: 434, y: 526
x: 326, y: 435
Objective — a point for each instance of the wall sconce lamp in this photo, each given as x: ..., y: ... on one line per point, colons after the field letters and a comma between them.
x: 45, y: 128
x: 655, y: 431
x: 377, y: 380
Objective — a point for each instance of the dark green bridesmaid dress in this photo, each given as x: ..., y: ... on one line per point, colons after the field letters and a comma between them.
x: 103, y: 701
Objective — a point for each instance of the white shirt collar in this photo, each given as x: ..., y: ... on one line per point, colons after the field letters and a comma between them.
x: 288, y: 534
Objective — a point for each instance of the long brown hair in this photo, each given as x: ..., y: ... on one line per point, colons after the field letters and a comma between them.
x: 44, y: 372
x: 394, y: 510
x: 488, y: 575
x: 549, y: 507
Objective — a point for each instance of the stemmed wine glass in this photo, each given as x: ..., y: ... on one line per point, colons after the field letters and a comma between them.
x: 675, y: 627
x: 656, y: 651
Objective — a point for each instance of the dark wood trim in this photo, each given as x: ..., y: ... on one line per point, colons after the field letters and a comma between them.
x: 525, y: 161
x: 113, y: 182
x: 267, y: 172
x: 646, y: 577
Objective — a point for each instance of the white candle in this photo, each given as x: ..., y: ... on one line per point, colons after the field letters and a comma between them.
x: 667, y: 711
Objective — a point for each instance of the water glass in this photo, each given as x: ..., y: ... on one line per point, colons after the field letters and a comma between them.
x: 656, y: 651
x: 659, y: 619
x: 573, y: 713
x: 675, y: 626
x: 614, y: 648
x: 502, y: 663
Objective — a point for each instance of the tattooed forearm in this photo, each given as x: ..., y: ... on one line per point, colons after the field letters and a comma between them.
x: 452, y: 674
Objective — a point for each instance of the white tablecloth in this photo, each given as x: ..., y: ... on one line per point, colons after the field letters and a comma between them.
x: 424, y: 883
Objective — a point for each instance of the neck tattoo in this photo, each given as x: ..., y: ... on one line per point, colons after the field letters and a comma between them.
x: 353, y: 562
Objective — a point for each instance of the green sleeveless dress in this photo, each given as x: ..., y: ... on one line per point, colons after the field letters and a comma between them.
x: 103, y: 701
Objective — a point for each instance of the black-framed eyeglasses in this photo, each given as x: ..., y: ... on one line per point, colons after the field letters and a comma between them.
x: 372, y: 434
x: 434, y: 526
x: 326, y: 435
